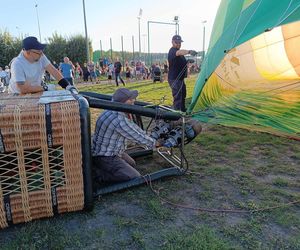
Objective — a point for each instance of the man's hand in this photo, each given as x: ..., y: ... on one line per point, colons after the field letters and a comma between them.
x: 190, y: 60
x: 72, y: 89
x: 159, y: 143
x: 193, y: 52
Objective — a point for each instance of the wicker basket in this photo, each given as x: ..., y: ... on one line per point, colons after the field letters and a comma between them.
x: 41, y: 170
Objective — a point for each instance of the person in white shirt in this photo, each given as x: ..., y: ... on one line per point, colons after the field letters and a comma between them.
x: 28, y: 67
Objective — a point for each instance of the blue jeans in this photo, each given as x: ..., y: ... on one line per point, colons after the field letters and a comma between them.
x: 118, y: 75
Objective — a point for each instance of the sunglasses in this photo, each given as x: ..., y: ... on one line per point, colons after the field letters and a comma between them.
x: 177, y: 42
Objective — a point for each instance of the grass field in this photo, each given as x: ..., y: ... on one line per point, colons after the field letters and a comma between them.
x: 231, y: 169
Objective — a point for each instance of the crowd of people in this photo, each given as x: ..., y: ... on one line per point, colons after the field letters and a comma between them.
x: 114, y: 71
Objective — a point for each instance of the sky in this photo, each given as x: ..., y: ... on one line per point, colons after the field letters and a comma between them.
x: 113, y: 19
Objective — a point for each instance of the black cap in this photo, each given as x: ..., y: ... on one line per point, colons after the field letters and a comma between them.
x: 31, y: 42
x: 123, y: 94
x: 177, y: 38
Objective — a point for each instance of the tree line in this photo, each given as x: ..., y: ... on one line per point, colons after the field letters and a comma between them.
x: 73, y: 47
x: 57, y: 48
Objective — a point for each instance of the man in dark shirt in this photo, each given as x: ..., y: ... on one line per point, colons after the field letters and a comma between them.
x: 177, y: 72
x: 118, y: 68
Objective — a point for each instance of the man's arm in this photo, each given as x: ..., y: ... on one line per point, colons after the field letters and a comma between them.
x: 183, y: 52
x: 27, y: 88
x: 134, y: 133
x: 54, y: 72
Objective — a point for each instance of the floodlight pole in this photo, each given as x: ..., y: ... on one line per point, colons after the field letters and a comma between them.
x: 176, y: 20
x: 133, y: 48
x: 139, y: 22
x: 123, y: 57
x: 111, y: 55
x: 86, y: 34
x: 144, y: 45
x: 100, y: 49
x: 203, y: 52
x: 38, y: 20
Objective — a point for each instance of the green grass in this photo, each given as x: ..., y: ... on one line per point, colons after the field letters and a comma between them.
x: 230, y: 168
x: 201, y: 238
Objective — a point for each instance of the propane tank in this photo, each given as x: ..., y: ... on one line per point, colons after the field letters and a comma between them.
x: 174, y: 138
x: 160, y: 130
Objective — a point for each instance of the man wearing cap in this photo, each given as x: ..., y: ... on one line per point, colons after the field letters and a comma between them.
x: 177, y: 72
x: 113, y: 130
x: 28, y: 67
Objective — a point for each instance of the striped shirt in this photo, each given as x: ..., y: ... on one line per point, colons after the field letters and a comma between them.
x: 112, y: 131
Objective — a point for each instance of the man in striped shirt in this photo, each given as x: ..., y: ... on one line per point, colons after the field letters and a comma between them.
x: 113, y: 130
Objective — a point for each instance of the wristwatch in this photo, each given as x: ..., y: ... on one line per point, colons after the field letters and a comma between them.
x: 44, y: 85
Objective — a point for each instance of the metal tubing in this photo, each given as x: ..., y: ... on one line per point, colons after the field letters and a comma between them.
x: 144, y: 111
x: 174, y: 171
x: 86, y: 151
x: 108, y: 97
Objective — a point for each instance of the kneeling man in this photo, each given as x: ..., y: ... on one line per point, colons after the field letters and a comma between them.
x: 113, y: 130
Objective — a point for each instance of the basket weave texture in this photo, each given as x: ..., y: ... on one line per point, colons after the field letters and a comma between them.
x: 39, y: 179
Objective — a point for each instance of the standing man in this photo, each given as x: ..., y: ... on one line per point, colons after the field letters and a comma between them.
x: 118, y: 69
x: 177, y: 72
x: 91, y: 69
x: 113, y: 130
x: 67, y: 70
x: 28, y: 68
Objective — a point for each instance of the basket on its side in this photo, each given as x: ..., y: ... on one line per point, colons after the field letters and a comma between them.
x: 41, y: 157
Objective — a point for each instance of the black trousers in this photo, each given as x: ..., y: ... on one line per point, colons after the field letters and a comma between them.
x: 179, y: 94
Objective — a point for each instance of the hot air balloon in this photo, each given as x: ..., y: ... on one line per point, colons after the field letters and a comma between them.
x: 250, y: 77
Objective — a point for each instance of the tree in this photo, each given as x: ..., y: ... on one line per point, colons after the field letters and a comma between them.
x: 76, y: 49
x: 9, y: 47
x: 57, y: 48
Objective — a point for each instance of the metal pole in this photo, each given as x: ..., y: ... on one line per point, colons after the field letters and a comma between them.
x: 86, y: 34
x: 144, y: 49
x: 203, y: 51
x: 38, y: 21
x: 139, y: 18
x: 149, y: 59
x: 123, y: 59
x: 203, y: 42
x: 111, y: 57
x: 133, y: 48
x: 100, y: 48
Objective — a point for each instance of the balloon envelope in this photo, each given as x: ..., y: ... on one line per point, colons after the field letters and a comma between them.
x: 251, y: 74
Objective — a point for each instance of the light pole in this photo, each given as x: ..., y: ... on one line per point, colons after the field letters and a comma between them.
x: 203, y: 52
x: 38, y: 20
x: 111, y: 54
x: 133, y: 48
x: 139, y: 23
x: 100, y: 49
x: 144, y: 46
x: 176, y: 20
x: 86, y: 34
